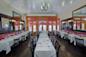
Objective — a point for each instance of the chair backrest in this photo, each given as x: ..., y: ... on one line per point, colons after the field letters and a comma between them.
x: 57, y: 46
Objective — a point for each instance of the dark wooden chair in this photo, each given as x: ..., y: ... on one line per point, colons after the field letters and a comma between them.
x: 57, y: 47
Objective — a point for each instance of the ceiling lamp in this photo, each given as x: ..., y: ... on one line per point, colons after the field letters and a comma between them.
x: 84, y: 19
x: 13, y: 20
x: 21, y: 22
x: 44, y: 6
x: 71, y: 1
x: 63, y: 3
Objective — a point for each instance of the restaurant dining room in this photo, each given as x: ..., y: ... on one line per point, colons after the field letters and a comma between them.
x: 42, y: 28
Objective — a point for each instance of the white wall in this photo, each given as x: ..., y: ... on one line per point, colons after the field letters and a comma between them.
x: 41, y: 14
x: 66, y: 11
x: 17, y: 4
x: 6, y: 8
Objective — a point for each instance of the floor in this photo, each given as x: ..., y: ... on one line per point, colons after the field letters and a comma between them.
x: 66, y: 50
x: 20, y: 51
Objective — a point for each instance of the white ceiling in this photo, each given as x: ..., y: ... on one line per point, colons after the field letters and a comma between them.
x: 34, y: 6
x: 54, y: 5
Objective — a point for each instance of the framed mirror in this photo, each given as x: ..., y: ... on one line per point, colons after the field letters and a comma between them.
x: 80, y: 11
x: 15, y: 14
x: 19, y: 23
x: 79, y: 17
x: 5, y: 25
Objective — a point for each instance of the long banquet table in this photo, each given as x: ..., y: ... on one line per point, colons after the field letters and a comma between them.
x: 44, y: 47
x: 75, y: 37
x: 7, y: 42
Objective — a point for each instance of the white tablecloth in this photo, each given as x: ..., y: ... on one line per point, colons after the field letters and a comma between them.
x: 44, y: 47
x: 6, y: 43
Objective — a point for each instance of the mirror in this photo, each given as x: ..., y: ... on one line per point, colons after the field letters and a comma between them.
x: 79, y: 17
x: 80, y: 11
x: 5, y: 25
x: 19, y: 23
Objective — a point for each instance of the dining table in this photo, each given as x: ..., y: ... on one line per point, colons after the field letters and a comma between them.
x: 44, y: 47
x: 8, y: 41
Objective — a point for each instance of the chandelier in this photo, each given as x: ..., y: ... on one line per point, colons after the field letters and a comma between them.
x: 44, y: 6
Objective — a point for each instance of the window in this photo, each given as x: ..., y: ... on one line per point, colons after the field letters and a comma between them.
x: 30, y: 28
x: 0, y: 26
x: 50, y: 28
x: 83, y: 26
x: 54, y: 27
x: 5, y: 24
x: 58, y: 28
x: 74, y: 27
x: 17, y: 25
x: 20, y: 26
x: 34, y: 28
x: 40, y: 27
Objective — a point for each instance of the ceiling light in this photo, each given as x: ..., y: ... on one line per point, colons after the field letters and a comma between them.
x: 71, y: 1
x: 63, y: 22
x: 13, y: 20
x: 48, y: 5
x: 63, y: 3
x: 41, y: 7
x: 84, y: 19
x: 21, y: 22
x: 44, y: 6
x: 70, y: 20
